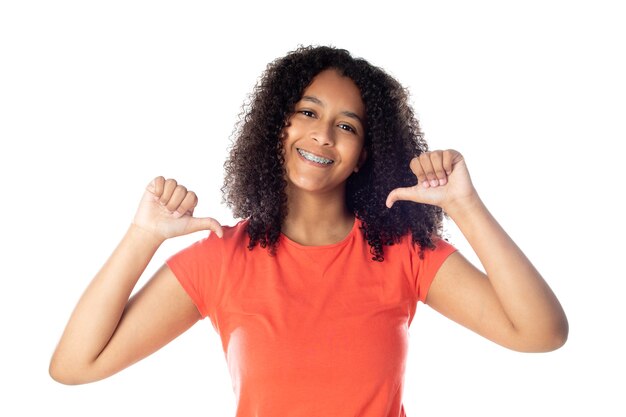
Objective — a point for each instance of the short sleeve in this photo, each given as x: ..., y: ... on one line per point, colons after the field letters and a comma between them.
x: 197, y: 268
x: 427, y: 268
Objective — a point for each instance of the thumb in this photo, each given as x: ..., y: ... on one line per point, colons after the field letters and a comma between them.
x: 402, y: 193
x: 197, y: 224
x: 156, y: 186
x: 151, y: 187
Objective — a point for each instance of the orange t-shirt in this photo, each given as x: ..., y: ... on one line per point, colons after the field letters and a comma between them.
x: 313, y: 330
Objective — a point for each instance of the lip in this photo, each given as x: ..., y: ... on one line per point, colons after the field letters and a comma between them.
x: 302, y: 158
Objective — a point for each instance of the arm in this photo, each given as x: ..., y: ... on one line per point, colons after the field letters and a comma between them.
x: 511, y: 304
x: 108, y: 332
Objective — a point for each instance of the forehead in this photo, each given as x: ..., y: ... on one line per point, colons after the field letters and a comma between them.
x: 336, y: 90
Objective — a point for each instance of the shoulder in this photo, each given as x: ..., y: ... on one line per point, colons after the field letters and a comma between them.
x: 237, y: 231
x: 212, y: 245
x: 232, y: 233
x: 405, y: 244
x: 234, y: 236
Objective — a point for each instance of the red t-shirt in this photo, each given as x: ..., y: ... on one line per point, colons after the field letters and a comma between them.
x: 313, y: 330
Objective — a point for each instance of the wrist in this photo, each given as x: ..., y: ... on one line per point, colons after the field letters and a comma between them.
x: 461, y: 207
x: 145, y: 236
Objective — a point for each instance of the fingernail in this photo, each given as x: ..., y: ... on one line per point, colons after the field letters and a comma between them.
x: 443, y: 181
x: 434, y: 183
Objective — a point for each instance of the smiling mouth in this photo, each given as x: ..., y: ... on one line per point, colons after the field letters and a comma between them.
x: 314, y: 158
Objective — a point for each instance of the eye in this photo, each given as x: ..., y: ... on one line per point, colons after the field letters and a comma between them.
x: 347, y: 127
x: 307, y: 113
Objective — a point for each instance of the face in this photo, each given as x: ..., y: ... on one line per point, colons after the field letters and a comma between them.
x: 323, y: 140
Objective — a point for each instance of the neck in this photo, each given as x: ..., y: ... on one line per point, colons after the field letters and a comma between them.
x: 316, y: 219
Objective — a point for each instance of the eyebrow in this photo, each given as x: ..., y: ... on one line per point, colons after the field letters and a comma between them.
x: 347, y: 113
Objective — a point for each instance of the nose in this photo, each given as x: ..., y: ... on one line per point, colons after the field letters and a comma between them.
x: 324, y: 134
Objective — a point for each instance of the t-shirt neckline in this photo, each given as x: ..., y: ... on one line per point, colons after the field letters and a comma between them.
x: 342, y: 242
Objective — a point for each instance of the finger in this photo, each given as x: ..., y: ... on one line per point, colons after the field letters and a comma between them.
x: 178, y: 195
x: 205, y: 223
x: 402, y: 193
x: 417, y: 169
x: 448, y: 157
x: 187, y: 205
x: 427, y: 166
x: 156, y: 186
x: 436, y: 158
x: 168, y: 190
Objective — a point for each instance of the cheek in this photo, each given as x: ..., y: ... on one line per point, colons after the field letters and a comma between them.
x: 293, y: 128
x: 354, y: 153
x: 287, y: 138
x: 290, y: 135
x: 286, y: 133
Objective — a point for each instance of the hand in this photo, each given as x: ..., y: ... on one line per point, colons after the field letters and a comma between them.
x: 442, y: 180
x: 166, y: 210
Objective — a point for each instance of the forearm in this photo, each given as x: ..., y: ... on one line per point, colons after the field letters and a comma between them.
x: 530, y: 304
x: 99, y: 309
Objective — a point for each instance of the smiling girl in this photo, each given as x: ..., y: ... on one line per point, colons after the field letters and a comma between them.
x: 313, y: 292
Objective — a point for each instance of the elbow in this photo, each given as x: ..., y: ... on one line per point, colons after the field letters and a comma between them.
x: 548, y: 341
x: 551, y: 343
x: 67, y: 374
x: 60, y: 374
x: 56, y: 373
x: 560, y: 334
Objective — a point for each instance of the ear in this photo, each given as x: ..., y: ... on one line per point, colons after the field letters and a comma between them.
x: 362, y: 159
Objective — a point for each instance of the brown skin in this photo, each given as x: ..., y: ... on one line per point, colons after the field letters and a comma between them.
x: 511, y: 304
x: 107, y: 332
x: 324, y: 124
x: 255, y: 182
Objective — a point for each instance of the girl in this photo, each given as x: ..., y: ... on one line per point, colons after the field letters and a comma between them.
x: 313, y: 292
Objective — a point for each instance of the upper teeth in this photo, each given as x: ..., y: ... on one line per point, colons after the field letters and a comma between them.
x: 314, y: 158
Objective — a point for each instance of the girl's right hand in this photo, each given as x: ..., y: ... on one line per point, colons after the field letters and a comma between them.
x: 166, y: 210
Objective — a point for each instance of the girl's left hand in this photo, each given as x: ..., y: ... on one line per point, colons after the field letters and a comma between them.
x: 442, y: 180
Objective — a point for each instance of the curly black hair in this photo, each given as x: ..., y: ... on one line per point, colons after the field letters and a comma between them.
x: 255, y: 178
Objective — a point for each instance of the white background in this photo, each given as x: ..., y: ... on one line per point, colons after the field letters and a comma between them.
x: 96, y: 98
